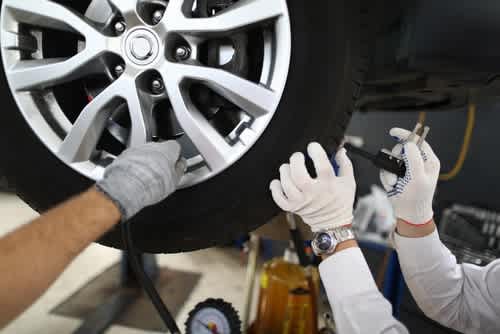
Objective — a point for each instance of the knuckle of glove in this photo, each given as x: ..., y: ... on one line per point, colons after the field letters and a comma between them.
x: 303, y: 184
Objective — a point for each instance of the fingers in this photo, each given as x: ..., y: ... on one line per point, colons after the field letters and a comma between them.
x: 345, y: 164
x: 171, y: 147
x: 298, y: 171
x: 402, y: 134
x: 397, y: 149
x: 388, y: 180
x: 181, y: 166
x: 432, y: 162
x: 290, y: 190
x: 279, y: 196
x: 167, y: 153
x: 413, y: 159
x: 322, y: 163
x: 433, y: 167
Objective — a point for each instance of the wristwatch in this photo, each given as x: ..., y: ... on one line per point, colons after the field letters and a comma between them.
x: 325, y: 242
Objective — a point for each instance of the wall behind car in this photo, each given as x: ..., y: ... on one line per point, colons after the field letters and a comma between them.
x: 479, y: 181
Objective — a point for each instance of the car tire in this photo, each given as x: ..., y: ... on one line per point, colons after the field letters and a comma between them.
x: 324, y: 80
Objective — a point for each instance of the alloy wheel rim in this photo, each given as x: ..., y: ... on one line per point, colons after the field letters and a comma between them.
x: 146, y: 63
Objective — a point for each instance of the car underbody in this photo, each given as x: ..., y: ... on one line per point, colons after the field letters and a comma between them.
x: 429, y: 55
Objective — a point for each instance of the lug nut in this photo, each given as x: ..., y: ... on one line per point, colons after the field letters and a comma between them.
x: 157, y: 86
x: 182, y: 53
x: 157, y: 16
x: 119, y: 69
x: 120, y: 27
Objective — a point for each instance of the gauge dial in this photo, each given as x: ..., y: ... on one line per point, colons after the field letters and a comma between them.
x: 213, y: 316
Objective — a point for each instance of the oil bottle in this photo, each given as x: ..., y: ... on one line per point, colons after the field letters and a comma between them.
x: 288, y: 297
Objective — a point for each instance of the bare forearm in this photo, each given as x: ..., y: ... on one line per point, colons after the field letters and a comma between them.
x: 32, y: 257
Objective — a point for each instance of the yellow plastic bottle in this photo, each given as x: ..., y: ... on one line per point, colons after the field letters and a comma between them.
x: 288, y: 298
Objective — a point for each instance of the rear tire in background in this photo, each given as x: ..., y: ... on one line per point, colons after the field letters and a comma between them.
x: 324, y: 81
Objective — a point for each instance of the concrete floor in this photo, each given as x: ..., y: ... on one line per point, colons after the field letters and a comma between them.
x: 222, y: 276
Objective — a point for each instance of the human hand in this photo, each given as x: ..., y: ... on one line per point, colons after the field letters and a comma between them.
x: 324, y: 202
x: 143, y: 176
x: 412, y: 195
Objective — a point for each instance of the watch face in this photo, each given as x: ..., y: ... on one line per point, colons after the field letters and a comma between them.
x: 324, y: 242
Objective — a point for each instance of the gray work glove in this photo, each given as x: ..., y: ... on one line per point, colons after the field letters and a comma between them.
x: 143, y: 176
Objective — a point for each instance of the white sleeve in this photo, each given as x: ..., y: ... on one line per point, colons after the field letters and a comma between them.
x: 358, y: 306
x: 463, y: 297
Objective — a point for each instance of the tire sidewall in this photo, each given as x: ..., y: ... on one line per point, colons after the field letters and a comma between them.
x: 313, y: 108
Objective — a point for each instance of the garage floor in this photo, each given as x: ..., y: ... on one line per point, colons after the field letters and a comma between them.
x: 222, y: 275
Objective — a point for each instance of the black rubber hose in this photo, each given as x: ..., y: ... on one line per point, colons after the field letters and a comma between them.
x: 146, y: 282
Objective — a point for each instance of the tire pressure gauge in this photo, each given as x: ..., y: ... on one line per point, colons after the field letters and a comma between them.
x: 213, y: 316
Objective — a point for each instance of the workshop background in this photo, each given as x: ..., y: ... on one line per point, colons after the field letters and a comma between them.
x: 220, y: 272
x: 479, y: 175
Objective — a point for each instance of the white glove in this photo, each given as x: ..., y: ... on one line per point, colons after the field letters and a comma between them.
x: 325, y: 202
x: 412, y: 196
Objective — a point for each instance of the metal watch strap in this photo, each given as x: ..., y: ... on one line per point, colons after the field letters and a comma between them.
x: 342, y: 234
x: 325, y: 242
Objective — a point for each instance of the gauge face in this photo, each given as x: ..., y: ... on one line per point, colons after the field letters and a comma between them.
x: 210, y: 321
x: 213, y: 316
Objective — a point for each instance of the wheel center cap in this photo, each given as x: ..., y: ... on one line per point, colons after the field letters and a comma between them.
x: 142, y: 46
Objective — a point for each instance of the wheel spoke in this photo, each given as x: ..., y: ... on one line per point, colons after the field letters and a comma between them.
x: 253, y: 98
x: 43, y: 73
x: 140, y: 131
x: 242, y: 14
x: 126, y: 7
x: 82, y: 140
x: 48, y: 14
x: 13, y: 41
x: 210, y: 144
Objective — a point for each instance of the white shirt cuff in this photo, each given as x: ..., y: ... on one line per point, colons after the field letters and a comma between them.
x: 346, y: 274
x: 418, y: 253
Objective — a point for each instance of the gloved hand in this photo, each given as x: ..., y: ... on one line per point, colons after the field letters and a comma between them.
x: 412, y: 195
x: 143, y: 176
x: 324, y: 202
